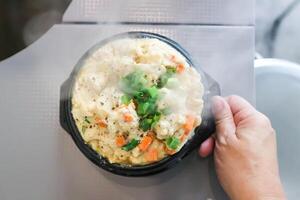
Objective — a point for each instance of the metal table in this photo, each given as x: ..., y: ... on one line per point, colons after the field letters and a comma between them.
x: 38, y: 158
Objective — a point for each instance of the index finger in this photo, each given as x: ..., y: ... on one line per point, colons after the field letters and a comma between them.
x: 240, y: 108
x: 225, y: 127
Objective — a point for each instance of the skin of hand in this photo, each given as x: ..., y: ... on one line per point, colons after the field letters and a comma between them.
x: 244, y: 148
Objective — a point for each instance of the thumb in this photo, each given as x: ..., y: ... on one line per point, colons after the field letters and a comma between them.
x: 225, y: 126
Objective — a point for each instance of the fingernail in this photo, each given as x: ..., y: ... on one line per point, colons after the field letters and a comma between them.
x: 217, y: 104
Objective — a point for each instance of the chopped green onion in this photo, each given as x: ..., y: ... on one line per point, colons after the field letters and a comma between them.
x: 88, y: 119
x: 131, y: 145
x: 134, y: 85
x: 146, y: 94
x: 83, y: 128
x: 146, y: 109
x: 145, y: 124
x: 143, y: 108
x: 125, y: 99
x: 133, y: 82
x: 140, y: 96
x: 166, y: 111
x: 173, y: 142
x: 156, y: 118
x: 153, y: 92
x: 163, y: 79
x: 172, y: 83
x: 171, y: 69
x: 149, y: 122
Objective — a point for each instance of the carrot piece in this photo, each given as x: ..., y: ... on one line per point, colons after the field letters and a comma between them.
x: 100, y: 122
x: 120, y: 141
x: 152, y: 155
x: 145, y: 143
x: 169, y: 151
x: 180, y: 68
x: 173, y: 59
x: 128, y: 117
x: 182, y: 138
x: 151, y: 134
x: 189, y: 124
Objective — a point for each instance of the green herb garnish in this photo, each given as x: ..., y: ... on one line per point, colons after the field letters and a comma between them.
x: 146, y: 109
x: 142, y: 108
x: 172, y: 142
x: 134, y: 85
x: 155, y: 119
x: 88, y: 119
x: 149, y: 122
x: 83, y: 128
x: 145, y: 124
x: 125, y: 99
x: 152, y: 92
x: 172, y: 83
x: 133, y: 82
x: 166, y: 111
x: 86, y: 123
x: 146, y: 94
x: 163, y: 79
x: 131, y: 145
x: 171, y: 69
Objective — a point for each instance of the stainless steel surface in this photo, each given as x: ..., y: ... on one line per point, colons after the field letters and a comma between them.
x: 278, y: 94
x: 40, y: 161
x: 230, y: 12
x: 277, y: 29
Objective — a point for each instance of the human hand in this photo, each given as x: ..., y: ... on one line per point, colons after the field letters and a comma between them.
x: 244, y: 151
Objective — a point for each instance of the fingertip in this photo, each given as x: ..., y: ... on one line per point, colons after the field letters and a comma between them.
x: 238, y: 103
x: 225, y: 126
x: 206, y: 147
x: 217, y: 104
x: 221, y: 109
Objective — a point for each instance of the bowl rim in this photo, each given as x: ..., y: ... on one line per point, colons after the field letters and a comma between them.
x: 69, y: 123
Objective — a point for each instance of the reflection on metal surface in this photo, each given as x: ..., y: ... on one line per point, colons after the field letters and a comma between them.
x: 22, y: 22
x: 278, y: 94
x: 271, y: 34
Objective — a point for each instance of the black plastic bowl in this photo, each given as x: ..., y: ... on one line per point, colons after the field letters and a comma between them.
x: 202, y: 132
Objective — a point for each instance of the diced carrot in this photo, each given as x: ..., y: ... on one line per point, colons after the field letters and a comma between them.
x: 169, y: 151
x: 152, y: 155
x: 180, y: 68
x: 120, y: 141
x: 151, y: 134
x: 182, y: 138
x: 97, y: 119
x: 145, y: 143
x: 189, y: 124
x: 128, y: 117
x: 173, y: 59
x: 100, y: 122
